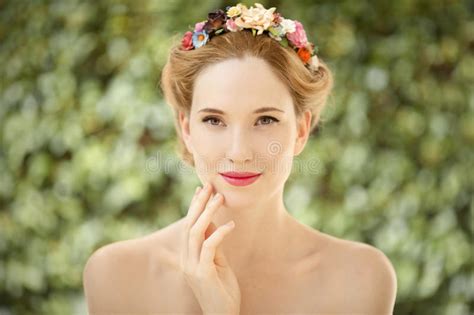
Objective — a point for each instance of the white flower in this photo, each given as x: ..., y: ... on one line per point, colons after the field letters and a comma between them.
x: 288, y: 26
x: 257, y: 18
x: 315, y: 61
x: 236, y: 10
x: 276, y: 32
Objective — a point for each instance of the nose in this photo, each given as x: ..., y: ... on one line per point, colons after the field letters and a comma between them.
x: 239, y: 150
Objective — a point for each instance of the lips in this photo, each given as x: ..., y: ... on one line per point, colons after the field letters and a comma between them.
x: 240, y: 175
x: 240, y: 178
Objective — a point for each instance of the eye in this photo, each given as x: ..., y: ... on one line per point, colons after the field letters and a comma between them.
x: 215, y: 121
x: 269, y: 118
x: 210, y: 118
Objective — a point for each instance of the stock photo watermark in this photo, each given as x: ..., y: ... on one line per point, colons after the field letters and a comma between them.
x: 274, y: 160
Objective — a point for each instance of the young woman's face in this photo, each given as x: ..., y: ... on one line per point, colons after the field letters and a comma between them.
x: 242, y: 119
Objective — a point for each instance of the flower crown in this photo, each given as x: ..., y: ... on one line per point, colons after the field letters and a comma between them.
x: 259, y: 20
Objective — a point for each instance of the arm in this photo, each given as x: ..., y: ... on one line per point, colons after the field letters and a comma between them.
x: 106, y: 279
x: 93, y: 277
x: 381, y: 285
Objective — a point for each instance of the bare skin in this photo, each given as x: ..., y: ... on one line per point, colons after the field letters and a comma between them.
x: 316, y: 274
x: 281, y: 265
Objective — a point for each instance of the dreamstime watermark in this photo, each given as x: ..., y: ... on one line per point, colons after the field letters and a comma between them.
x: 274, y: 148
x: 160, y: 163
x: 274, y: 160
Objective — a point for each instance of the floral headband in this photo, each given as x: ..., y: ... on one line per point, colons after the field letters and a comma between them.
x: 259, y: 20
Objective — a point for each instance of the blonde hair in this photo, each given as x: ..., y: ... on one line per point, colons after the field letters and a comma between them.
x: 309, y: 88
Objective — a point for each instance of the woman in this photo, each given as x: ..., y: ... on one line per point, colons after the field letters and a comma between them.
x: 247, y: 90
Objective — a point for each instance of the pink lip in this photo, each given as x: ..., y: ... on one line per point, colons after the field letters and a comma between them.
x: 244, y: 179
x: 239, y: 174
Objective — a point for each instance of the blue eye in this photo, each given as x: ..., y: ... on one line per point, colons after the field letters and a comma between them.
x: 269, y: 119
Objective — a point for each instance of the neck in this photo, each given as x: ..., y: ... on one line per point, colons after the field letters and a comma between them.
x: 259, y: 234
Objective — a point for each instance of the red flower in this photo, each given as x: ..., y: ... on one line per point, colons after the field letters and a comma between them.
x: 304, y: 54
x: 187, y: 41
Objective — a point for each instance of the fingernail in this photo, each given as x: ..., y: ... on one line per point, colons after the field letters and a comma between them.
x: 198, y: 189
x: 216, y: 196
x: 231, y: 224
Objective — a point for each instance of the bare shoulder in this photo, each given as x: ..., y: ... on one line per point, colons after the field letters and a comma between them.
x: 370, y: 277
x: 116, y: 274
x: 356, y: 277
x: 126, y: 254
x: 107, y: 274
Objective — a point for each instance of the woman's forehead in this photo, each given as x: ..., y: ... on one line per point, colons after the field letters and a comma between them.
x: 248, y: 83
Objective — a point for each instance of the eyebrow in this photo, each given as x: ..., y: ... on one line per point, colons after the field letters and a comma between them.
x: 257, y: 111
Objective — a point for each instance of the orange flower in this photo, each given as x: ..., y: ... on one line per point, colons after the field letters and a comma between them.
x: 304, y: 54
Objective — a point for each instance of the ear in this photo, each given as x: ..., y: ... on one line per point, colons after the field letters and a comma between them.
x: 185, y: 130
x: 303, y: 126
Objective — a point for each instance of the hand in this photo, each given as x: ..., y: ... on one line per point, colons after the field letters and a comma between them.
x: 203, y: 262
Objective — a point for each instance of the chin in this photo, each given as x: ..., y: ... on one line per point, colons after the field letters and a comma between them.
x: 233, y: 199
x: 238, y: 196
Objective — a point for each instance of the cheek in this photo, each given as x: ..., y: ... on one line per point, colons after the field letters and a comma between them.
x: 267, y: 145
x: 278, y: 144
x: 203, y: 141
x: 276, y: 155
x: 206, y: 153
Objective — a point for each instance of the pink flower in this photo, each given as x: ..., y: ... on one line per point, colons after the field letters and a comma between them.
x: 199, y: 26
x: 231, y: 26
x: 298, y: 37
x: 187, y: 41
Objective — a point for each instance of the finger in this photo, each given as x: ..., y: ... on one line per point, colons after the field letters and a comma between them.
x: 202, y: 223
x: 212, y: 227
x: 196, y: 234
x: 196, y: 192
x: 196, y: 208
x: 198, y: 205
x: 185, y: 234
x: 193, y: 199
x: 220, y: 259
x: 212, y: 244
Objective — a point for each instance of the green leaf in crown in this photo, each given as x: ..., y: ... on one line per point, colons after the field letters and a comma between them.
x: 284, y: 42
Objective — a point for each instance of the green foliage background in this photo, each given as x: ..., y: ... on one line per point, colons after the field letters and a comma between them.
x: 87, y: 144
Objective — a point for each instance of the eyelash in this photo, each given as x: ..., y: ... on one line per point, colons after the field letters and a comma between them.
x: 206, y: 119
